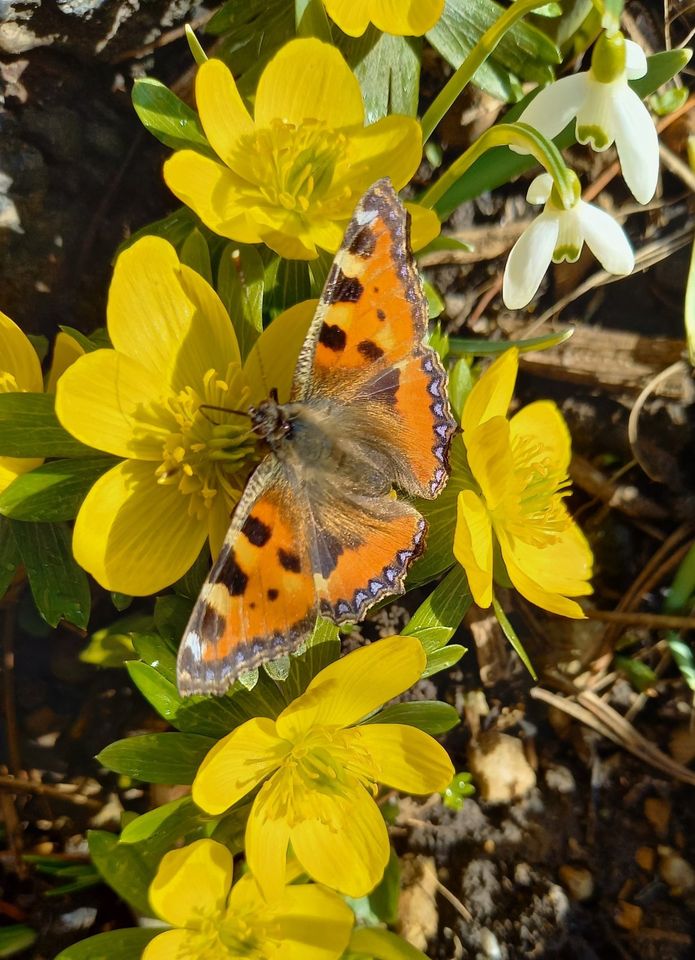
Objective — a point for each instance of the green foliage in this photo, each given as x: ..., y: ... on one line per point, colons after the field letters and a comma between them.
x: 9, y: 555
x: 240, y: 284
x: 30, y: 428
x: 127, y: 869
x: 431, y: 716
x: 437, y: 619
x: 195, y: 253
x: 457, y: 791
x: 169, y: 119
x: 388, y: 69
x: 70, y: 877
x: 158, y: 757
x: 53, y: 491
x: 15, y: 939
x: 114, y: 945
x: 59, y: 586
x: 640, y: 674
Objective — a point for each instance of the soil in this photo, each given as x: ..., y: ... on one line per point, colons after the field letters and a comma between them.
x: 577, y: 845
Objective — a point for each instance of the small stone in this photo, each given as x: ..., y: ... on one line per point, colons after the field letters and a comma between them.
x: 577, y: 881
x: 418, y: 917
x: 500, y: 768
x: 658, y: 813
x: 628, y: 915
x: 560, y: 778
x: 645, y: 858
x: 682, y: 744
x: 677, y: 873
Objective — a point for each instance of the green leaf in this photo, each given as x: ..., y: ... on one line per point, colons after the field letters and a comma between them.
x: 457, y: 791
x: 388, y: 69
x: 524, y: 52
x: 114, y: 945
x: 378, y: 944
x: 54, y: 491
x: 684, y: 658
x: 197, y: 52
x: 161, y: 693
x: 435, y: 303
x: 639, y: 674
x: 16, y: 938
x: 96, y: 341
x: 30, y: 428
x: 460, y: 385
x: 441, y: 517
x: 431, y: 716
x: 171, y: 614
x: 174, y: 228
x: 443, y: 659
x: 250, y: 35
x: 311, y: 20
x: 510, y: 634
x: 10, y: 557
x: 668, y: 101
x: 129, y: 870
x: 437, y: 619
x: 240, y: 282
x: 169, y: 119
x: 157, y: 757
x: 59, y: 587
x: 195, y: 253
x: 292, y: 285
x: 156, y: 651
x: 166, y: 824
x: 661, y: 67
x: 113, y: 645
x: 483, y: 348
x: 384, y: 899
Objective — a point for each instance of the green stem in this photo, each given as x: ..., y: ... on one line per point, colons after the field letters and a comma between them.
x: 501, y: 135
x: 475, y: 59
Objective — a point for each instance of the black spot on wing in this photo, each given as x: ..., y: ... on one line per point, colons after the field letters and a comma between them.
x: 380, y: 315
x: 333, y: 337
x: 363, y: 243
x: 369, y: 350
x: 273, y: 594
x: 255, y: 531
x: 212, y: 624
x: 231, y: 575
x: 289, y: 561
x: 328, y: 549
x: 384, y: 387
x: 342, y: 289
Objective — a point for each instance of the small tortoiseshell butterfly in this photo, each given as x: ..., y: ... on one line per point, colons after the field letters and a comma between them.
x: 317, y: 530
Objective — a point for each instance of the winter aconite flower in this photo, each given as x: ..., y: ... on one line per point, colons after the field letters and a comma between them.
x: 144, y: 522
x: 20, y: 372
x: 607, y: 111
x: 290, y: 177
x: 558, y: 234
x: 406, y: 18
x: 191, y: 891
x: 514, y: 512
x: 320, y: 771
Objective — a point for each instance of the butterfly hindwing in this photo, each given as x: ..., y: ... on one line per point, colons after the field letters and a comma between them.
x: 259, y: 600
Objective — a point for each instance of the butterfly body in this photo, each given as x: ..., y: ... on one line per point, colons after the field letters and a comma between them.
x: 318, y: 530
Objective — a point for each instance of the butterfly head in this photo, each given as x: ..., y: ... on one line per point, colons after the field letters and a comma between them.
x: 271, y: 422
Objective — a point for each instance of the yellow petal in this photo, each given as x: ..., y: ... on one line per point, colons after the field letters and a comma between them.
x: 492, y: 394
x: 133, y: 534
x: 409, y: 18
x: 65, y: 351
x: 543, y: 421
x: 424, y: 225
x: 347, y: 690
x: 222, y: 112
x: 166, y: 316
x: 18, y: 357
x: 266, y: 840
x: 237, y: 763
x: 13, y: 467
x: 347, y: 848
x: 192, y: 883
x: 308, y: 79
x: 391, y: 147
x: 111, y: 402
x: 172, y: 945
x: 473, y: 545
x: 407, y: 759
x: 490, y: 459
x: 213, y: 192
x: 548, y: 575
x: 272, y: 359
x: 312, y: 923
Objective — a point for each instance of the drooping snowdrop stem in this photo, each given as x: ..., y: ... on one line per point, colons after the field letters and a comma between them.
x: 475, y: 59
x: 507, y: 134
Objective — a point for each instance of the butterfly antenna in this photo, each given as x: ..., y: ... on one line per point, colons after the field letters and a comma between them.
x: 210, y: 406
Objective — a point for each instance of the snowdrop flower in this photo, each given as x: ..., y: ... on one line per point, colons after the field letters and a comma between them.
x: 558, y: 234
x: 607, y: 110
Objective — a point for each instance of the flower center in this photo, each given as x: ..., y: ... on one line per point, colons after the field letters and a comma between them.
x: 324, y: 763
x: 533, y: 509
x: 242, y: 939
x: 208, y: 450
x: 292, y: 165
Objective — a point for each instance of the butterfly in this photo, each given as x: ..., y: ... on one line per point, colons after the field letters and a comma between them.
x: 318, y: 530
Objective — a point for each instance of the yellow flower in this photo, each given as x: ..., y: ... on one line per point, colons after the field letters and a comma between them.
x: 144, y: 522
x: 321, y: 771
x: 191, y: 891
x: 515, y: 502
x: 407, y: 18
x: 291, y: 176
x: 20, y: 372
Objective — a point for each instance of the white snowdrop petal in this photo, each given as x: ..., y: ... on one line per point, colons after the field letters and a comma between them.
x: 635, y: 60
x: 596, y: 118
x: 606, y: 239
x: 570, y: 236
x: 528, y: 260
x: 540, y: 188
x: 555, y: 105
x: 638, y: 145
